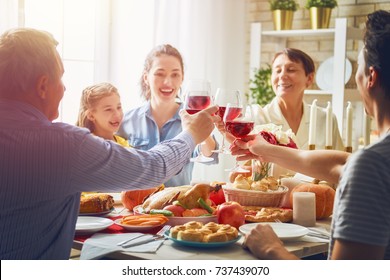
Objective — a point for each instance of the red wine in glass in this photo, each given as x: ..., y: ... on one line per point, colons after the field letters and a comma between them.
x: 196, y: 103
x: 234, y: 112
x: 238, y: 123
x: 198, y: 98
x: 239, y: 129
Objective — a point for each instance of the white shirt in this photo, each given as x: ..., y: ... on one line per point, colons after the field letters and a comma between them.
x: 271, y: 113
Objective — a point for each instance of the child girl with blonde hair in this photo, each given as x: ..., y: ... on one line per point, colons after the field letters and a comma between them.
x: 101, y: 112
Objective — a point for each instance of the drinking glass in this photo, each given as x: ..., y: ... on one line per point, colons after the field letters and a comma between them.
x: 198, y: 97
x: 222, y: 98
x: 239, y: 123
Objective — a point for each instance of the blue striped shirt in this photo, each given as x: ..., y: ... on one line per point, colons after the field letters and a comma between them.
x: 362, y: 205
x: 44, y: 166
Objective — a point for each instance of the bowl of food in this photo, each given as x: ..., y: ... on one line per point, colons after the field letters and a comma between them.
x: 175, y: 220
x: 180, y: 204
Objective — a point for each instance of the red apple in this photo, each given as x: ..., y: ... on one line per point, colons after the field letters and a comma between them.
x: 231, y: 213
x: 177, y: 210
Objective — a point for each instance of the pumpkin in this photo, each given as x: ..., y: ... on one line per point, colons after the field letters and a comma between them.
x: 132, y: 198
x: 324, y: 198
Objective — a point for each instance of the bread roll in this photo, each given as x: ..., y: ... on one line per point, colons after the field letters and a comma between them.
x: 216, y: 237
x: 192, y: 235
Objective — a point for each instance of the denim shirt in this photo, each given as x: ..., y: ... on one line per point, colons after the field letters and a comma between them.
x: 142, y: 132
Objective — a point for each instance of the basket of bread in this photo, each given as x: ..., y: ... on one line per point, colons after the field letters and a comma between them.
x: 266, y: 192
x: 180, y: 204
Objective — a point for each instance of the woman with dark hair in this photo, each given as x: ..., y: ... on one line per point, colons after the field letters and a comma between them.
x: 361, y: 216
x: 292, y: 72
x: 158, y: 119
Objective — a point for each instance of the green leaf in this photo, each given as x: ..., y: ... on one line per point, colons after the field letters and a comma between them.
x: 261, y: 91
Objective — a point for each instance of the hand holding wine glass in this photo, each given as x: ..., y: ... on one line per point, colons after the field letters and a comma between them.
x: 222, y: 98
x: 239, y: 123
x: 197, y: 98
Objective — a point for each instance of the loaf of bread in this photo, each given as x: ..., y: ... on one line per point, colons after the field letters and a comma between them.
x: 96, y: 203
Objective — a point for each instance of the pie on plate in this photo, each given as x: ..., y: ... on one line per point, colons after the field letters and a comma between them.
x: 258, y: 214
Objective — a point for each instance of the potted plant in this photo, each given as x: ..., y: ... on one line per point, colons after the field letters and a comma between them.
x: 320, y: 12
x: 283, y: 11
x: 261, y: 91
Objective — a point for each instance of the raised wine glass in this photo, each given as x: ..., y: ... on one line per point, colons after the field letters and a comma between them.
x: 222, y: 98
x: 239, y: 123
x: 198, y: 97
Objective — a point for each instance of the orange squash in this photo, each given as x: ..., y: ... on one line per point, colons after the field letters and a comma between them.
x: 324, y: 198
x: 132, y: 198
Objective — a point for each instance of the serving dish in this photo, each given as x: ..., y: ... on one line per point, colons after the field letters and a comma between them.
x: 283, y: 230
x: 174, y: 221
x: 202, y: 244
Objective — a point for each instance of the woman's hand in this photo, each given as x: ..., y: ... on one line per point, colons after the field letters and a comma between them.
x: 249, y: 147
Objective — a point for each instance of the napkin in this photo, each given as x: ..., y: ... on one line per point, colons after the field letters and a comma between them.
x: 101, y: 244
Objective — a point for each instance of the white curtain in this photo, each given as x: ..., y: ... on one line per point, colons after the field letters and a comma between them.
x: 11, y: 14
x: 210, y: 34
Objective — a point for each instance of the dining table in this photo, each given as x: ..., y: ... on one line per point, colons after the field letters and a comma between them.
x: 170, y: 250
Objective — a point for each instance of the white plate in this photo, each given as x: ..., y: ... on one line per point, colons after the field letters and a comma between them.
x: 282, y: 230
x: 136, y: 228
x: 88, y: 225
x: 324, y: 76
x: 174, y: 221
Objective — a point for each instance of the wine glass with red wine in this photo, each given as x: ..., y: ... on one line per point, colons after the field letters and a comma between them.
x: 239, y: 123
x: 222, y: 98
x: 198, y: 97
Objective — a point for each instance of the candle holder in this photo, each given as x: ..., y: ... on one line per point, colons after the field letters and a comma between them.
x: 328, y: 147
x: 312, y: 147
x: 348, y: 149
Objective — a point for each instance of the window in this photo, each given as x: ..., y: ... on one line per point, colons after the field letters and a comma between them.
x: 78, y: 26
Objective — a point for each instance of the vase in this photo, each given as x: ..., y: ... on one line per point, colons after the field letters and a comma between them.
x: 261, y: 169
x: 283, y: 19
x: 320, y: 17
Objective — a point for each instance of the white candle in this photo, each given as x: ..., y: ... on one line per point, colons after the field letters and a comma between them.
x: 313, y: 123
x: 304, y: 209
x: 348, y: 131
x: 329, y: 127
x: 367, y: 129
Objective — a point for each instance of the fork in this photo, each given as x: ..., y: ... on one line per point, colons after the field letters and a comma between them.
x: 163, y: 230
